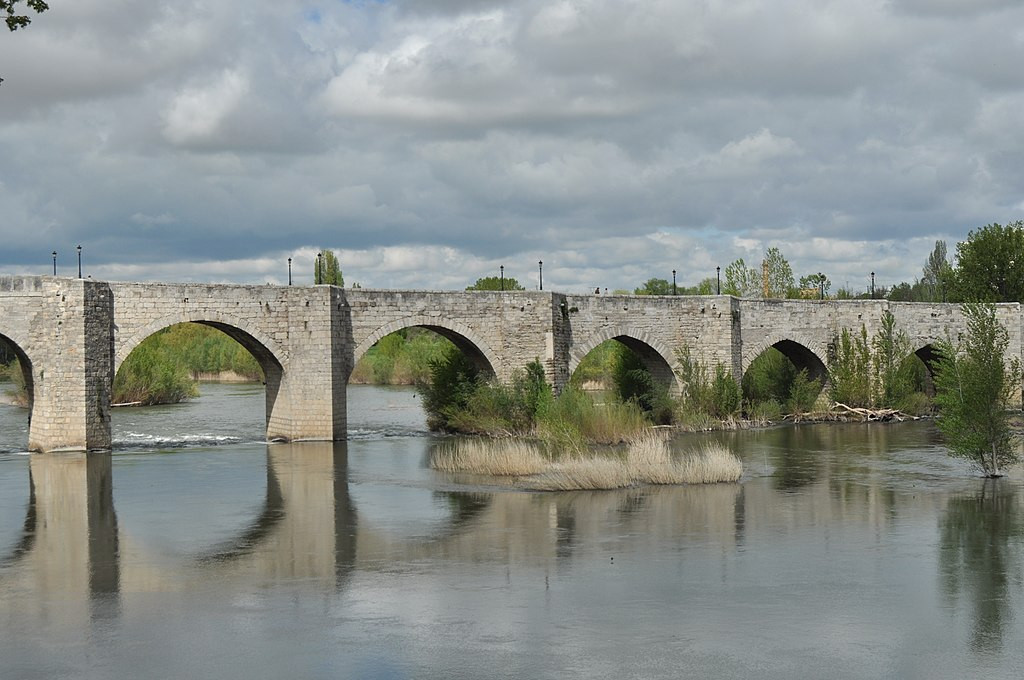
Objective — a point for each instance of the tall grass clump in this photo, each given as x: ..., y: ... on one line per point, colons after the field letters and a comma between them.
x: 575, y: 418
x: 498, y: 458
x: 648, y: 459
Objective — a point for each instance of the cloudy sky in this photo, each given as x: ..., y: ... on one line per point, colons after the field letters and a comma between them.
x: 430, y: 141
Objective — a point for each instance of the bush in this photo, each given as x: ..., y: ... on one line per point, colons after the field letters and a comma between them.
x: 803, y: 393
x: 453, y: 381
x: 152, y: 375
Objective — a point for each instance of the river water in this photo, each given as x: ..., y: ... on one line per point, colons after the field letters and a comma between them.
x: 195, y: 549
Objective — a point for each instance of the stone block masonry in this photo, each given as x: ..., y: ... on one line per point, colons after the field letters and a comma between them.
x: 73, y: 334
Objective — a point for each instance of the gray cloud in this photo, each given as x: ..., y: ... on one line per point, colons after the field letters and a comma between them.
x: 431, y: 141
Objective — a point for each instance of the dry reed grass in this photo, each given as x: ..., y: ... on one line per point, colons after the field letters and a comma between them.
x: 647, y: 460
x: 498, y: 458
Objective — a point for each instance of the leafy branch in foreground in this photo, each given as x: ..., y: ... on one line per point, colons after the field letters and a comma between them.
x: 14, y: 20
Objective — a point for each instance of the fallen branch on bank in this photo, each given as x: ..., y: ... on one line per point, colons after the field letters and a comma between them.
x: 841, y: 412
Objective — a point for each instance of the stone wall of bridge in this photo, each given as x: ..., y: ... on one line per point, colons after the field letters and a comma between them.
x: 73, y: 334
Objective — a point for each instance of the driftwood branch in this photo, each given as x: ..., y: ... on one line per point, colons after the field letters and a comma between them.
x: 840, y: 411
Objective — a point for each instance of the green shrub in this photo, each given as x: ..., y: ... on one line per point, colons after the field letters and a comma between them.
x: 152, y: 375
x: 803, y: 393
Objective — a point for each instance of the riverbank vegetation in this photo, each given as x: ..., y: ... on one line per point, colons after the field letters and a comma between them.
x: 975, y: 386
x: 647, y: 459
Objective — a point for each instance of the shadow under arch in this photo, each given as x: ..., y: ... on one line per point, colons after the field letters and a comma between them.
x: 464, y: 338
x: 656, y: 357
x: 265, y: 351
x: 799, y: 353
x: 25, y: 363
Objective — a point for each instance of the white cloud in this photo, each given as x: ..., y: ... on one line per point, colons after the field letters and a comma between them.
x: 197, y: 113
x: 433, y: 141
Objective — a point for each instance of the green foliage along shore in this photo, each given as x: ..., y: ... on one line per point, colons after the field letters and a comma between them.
x: 401, y: 358
x: 165, y: 367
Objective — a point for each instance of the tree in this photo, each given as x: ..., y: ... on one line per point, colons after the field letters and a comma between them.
x: 936, y: 274
x: 973, y: 389
x: 327, y: 269
x: 776, y: 274
x: 990, y: 264
x: 741, y: 281
x: 15, y: 20
x: 705, y: 287
x: 819, y: 283
x: 654, y: 287
x: 891, y: 347
x: 496, y: 283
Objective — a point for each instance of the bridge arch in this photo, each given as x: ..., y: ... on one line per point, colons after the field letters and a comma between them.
x: 261, y: 346
x: 26, y: 365
x: 657, y: 357
x: 268, y: 354
x: 464, y: 337
x: 795, y: 348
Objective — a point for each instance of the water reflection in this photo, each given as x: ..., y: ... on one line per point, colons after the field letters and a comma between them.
x: 981, y: 557
x: 69, y: 544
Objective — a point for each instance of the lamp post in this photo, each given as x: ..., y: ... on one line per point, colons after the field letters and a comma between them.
x: 54, y: 253
x: 540, y: 273
x: 318, y: 272
x: 673, y: 281
x: 821, y: 286
x: 501, y: 270
x: 718, y: 279
x: 872, y: 285
x: 289, y: 271
x: 79, y: 249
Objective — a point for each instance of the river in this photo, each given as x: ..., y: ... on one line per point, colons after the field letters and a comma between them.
x: 196, y: 549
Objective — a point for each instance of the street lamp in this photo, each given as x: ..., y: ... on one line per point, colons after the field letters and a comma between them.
x: 54, y: 253
x: 540, y: 273
x: 289, y: 271
x: 79, y: 249
x: 718, y: 279
x: 673, y: 281
x: 318, y: 274
x: 501, y: 269
x: 872, y: 285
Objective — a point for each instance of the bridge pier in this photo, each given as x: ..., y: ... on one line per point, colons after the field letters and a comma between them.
x: 306, y: 397
x: 72, y: 357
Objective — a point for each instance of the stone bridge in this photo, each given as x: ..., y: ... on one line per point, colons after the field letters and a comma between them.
x: 71, y: 335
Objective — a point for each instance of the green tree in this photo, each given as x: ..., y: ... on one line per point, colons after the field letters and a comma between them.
x: 776, y: 273
x: 936, y: 275
x: 817, y: 282
x: 990, y: 264
x: 741, y: 281
x: 849, y: 365
x: 891, y: 347
x: 14, y: 19
x: 496, y: 283
x: 707, y: 286
x: 327, y: 269
x: 654, y: 287
x: 973, y: 386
